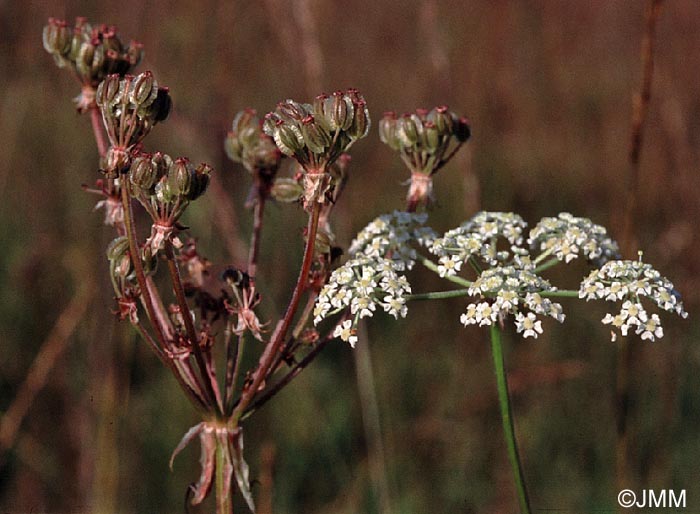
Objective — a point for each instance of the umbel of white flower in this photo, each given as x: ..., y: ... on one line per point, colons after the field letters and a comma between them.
x: 628, y: 282
x: 512, y: 290
x: 362, y: 284
x: 371, y: 278
x: 508, y: 269
x: 390, y: 236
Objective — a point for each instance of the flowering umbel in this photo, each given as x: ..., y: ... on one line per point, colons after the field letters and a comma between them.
x: 508, y: 265
x: 628, y: 282
x: 182, y: 325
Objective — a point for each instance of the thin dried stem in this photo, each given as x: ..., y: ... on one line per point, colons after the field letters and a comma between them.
x: 364, y: 375
x: 49, y: 353
x: 266, y: 478
x: 310, y: 44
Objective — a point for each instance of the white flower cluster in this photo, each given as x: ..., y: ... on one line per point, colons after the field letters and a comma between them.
x: 362, y: 283
x: 479, y: 237
x: 567, y: 236
x: 629, y: 282
x: 511, y: 290
x: 389, y: 235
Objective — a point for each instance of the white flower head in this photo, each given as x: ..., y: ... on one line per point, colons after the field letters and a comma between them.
x: 363, y: 283
x: 630, y: 282
x: 486, y: 314
x: 346, y: 332
x: 528, y: 325
x: 479, y: 237
x: 389, y: 237
x: 567, y: 236
x: 449, y: 265
x: 396, y: 306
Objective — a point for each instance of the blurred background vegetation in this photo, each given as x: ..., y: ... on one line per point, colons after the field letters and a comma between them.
x: 548, y: 87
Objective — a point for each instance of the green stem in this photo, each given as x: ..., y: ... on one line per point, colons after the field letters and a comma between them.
x: 454, y: 278
x: 561, y: 293
x: 224, y: 498
x: 545, y: 254
x: 438, y: 295
x: 507, y: 418
x: 550, y: 263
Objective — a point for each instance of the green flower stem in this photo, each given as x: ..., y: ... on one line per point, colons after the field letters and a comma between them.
x: 224, y: 502
x: 507, y: 418
x: 438, y: 295
x: 560, y: 293
x: 433, y: 267
x: 550, y: 263
x: 545, y: 254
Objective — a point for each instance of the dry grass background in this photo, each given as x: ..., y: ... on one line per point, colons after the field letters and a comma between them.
x: 547, y: 86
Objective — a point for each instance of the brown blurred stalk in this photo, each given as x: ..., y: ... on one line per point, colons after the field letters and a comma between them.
x: 626, y: 358
x: 640, y: 108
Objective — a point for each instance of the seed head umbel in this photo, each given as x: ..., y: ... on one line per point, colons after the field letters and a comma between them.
x: 91, y: 52
x: 426, y: 140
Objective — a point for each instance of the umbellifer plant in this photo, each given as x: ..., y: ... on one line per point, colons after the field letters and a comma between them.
x: 181, y: 322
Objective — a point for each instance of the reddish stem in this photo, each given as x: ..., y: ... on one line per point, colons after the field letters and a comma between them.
x: 189, y: 327
x: 255, y: 238
x: 96, y: 118
x: 298, y: 368
x: 194, y: 395
x: 278, y: 336
x: 411, y: 204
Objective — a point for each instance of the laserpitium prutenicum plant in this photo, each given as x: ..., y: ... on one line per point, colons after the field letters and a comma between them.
x: 180, y: 323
